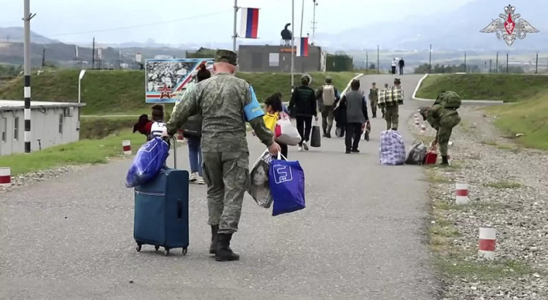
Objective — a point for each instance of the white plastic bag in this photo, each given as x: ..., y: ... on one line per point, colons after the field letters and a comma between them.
x: 286, y: 132
x: 258, y: 186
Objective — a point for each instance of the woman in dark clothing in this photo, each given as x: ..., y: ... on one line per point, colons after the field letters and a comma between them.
x: 274, y: 107
x: 303, y: 101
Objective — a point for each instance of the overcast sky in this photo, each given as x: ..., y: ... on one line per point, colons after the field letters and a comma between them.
x: 178, y: 21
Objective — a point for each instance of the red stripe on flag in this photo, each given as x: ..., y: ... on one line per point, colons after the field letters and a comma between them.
x: 487, y: 245
x: 305, y: 46
x: 255, y: 23
x: 463, y: 193
x: 5, y: 179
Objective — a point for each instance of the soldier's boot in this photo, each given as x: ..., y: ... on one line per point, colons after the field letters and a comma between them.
x: 328, y: 132
x: 444, y: 160
x: 224, y: 253
x: 213, y: 247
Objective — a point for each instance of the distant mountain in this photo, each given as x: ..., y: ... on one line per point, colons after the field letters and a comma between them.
x: 459, y: 29
x: 17, y: 34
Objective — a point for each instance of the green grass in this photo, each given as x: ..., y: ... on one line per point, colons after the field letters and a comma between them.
x: 77, y: 153
x: 506, y: 87
x: 503, y: 185
x: 485, y: 270
x: 529, y: 117
x: 123, y: 92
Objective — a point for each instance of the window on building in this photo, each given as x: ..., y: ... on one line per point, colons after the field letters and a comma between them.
x: 274, y: 59
x: 61, y: 124
x: 4, y: 128
x: 257, y: 61
x: 16, y: 128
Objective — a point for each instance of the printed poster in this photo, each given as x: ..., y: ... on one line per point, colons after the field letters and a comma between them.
x: 165, y: 78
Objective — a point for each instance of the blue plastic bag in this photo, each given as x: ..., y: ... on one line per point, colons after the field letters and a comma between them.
x: 286, y: 181
x: 148, y: 162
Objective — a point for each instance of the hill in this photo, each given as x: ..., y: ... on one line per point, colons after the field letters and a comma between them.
x: 123, y: 92
x: 506, y: 87
x: 17, y: 35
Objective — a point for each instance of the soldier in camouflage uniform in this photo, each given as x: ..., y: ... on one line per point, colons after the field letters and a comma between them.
x: 374, y: 98
x: 223, y: 102
x: 390, y: 100
x: 443, y: 116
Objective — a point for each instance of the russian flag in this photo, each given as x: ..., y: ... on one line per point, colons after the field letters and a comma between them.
x: 250, y: 23
x: 302, y: 46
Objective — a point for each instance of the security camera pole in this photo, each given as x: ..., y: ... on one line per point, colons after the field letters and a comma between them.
x: 26, y: 89
x: 292, y: 44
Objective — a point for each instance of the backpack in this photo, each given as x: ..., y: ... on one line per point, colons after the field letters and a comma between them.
x: 449, y: 99
x: 328, y: 95
x: 417, y: 154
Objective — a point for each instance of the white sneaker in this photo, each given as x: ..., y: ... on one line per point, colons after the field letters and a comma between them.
x: 193, y: 177
x: 200, y: 180
x: 300, y: 149
x: 305, y: 146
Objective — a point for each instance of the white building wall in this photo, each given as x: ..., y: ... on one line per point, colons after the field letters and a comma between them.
x: 44, y: 126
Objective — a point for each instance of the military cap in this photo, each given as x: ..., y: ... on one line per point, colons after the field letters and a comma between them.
x: 226, y: 56
x: 328, y: 79
x: 397, y: 81
x: 423, y: 110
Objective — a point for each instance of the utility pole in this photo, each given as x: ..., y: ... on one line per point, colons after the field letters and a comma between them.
x: 44, y: 57
x: 235, y: 36
x: 378, y: 60
x: 536, y: 64
x: 497, y: 63
x: 507, y: 58
x: 465, y: 70
x: 292, y: 44
x: 314, y: 23
x: 490, y: 66
x: 430, y: 60
x: 302, y: 18
x: 93, y: 55
x: 27, y: 61
x: 366, y: 61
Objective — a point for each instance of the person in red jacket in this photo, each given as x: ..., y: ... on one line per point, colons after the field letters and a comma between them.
x: 144, y: 124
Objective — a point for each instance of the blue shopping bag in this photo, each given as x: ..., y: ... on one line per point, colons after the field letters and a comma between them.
x: 286, y: 181
x: 148, y: 162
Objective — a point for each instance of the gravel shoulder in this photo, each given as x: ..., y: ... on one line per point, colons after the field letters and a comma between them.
x: 508, y: 191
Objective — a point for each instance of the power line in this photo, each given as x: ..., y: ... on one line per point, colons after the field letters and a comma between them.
x: 129, y: 27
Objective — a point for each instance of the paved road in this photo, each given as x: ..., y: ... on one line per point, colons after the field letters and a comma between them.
x: 361, y: 237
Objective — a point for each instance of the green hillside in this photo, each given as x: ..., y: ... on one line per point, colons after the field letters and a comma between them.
x: 123, y: 92
x: 506, y: 87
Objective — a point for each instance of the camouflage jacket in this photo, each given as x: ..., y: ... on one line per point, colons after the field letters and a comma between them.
x: 220, y: 101
x: 438, y: 116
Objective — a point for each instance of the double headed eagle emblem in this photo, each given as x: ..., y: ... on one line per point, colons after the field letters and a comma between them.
x: 509, y: 26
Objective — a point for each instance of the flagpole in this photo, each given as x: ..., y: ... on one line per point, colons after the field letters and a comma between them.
x: 292, y: 43
x: 235, y: 25
x: 302, y: 19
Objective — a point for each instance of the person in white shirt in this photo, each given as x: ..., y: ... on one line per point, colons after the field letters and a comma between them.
x: 394, y: 64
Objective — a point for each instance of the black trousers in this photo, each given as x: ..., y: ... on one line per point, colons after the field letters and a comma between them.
x: 304, y: 126
x: 284, y: 149
x: 401, y: 70
x: 353, y: 134
x: 393, y: 70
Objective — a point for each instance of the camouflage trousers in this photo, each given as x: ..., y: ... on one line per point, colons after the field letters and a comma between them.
x: 327, y: 118
x: 374, y: 103
x: 444, y: 134
x: 227, y: 177
x: 392, y: 115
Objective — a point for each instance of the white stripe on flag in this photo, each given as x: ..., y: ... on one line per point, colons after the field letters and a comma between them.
x: 298, y: 42
x: 243, y: 22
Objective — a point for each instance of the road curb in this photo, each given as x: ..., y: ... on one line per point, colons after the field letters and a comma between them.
x: 494, y: 102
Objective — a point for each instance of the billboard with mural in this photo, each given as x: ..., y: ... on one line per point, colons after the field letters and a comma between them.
x: 164, y: 78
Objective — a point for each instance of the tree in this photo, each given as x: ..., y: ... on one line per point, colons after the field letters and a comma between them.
x: 372, y: 66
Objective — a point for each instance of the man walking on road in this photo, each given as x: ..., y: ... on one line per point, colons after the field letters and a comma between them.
x: 390, y: 99
x: 401, y: 64
x: 225, y: 103
x: 374, y: 99
x: 356, y: 116
x: 328, y: 96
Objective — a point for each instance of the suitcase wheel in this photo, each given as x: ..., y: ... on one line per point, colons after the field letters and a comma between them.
x: 166, y: 251
x: 156, y: 248
x: 184, y: 251
x: 139, y: 246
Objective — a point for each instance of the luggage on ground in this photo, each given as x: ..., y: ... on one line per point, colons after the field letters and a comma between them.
x: 148, y: 162
x: 316, y: 138
x: 417, y: 154
x: 366, y: 128
x: 161, y: 210
x: 286, y: 181
x: 392, y: 148
x: 431, y: 156
x: 258, y: 187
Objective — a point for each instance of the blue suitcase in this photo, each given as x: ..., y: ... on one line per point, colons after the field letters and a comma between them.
x: 161, y: 211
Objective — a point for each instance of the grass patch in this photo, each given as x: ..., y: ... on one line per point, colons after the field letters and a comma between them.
x: 471, y: 206
x: 432, y: 177
x: 123, y: 92
x: 485, y: 271
x: 503, y: 185
x: 506, y: 87
x: 77, y: 153
x: 529, y: 117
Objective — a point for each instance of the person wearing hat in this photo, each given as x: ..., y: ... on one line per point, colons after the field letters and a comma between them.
x: 225, y: 103
x: 303, y: 102
x: 328, y: 97
x: 443, y: 117
x: 374, y: 98
x: 390, y: 99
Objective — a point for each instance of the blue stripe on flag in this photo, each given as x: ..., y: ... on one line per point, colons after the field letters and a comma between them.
x: 249, y: 25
